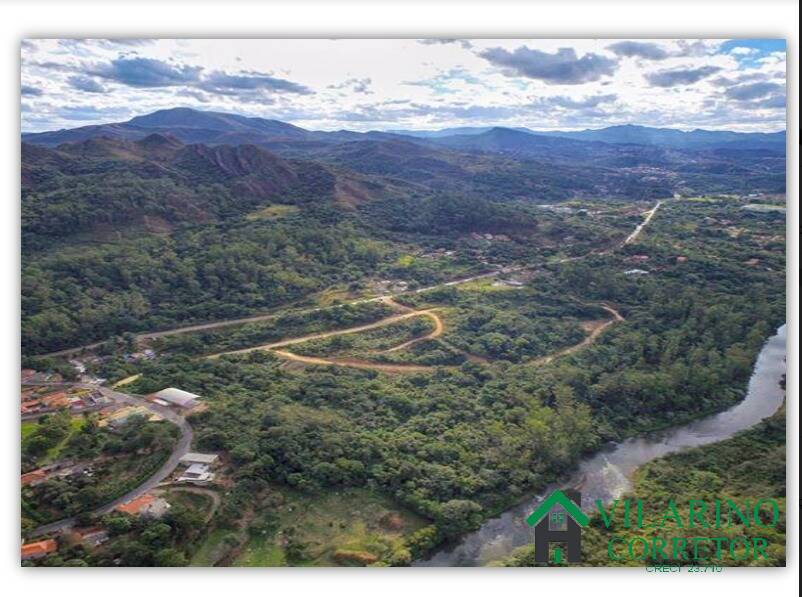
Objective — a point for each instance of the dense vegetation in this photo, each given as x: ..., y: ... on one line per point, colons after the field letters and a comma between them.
x: 136, y: 541
x: 127, y: 236
x: 457, y: 444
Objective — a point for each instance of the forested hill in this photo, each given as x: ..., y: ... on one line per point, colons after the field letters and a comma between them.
x: 188, y: 166
x: 158, y: 182
x: 184, y: 216
x: 632, y: 162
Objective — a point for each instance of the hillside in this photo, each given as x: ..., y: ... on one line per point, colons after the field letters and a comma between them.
x: 106, y: 182
x: 633, y: 162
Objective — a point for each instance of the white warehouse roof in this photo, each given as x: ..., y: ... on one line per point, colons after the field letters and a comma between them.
x: 176, y: 396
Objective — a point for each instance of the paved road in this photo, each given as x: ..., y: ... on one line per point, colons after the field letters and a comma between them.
x: 180, y: 449
x: 257, y: 318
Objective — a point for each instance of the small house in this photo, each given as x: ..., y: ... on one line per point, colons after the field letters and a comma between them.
x: 33, y: 478
x: 147, y: 505
x: 55, y: 400
x: 38, y: 549
x: 89, y: 537
x: 197, y: 474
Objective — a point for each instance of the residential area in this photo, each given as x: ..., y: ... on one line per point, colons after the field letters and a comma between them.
x: 93, y: 456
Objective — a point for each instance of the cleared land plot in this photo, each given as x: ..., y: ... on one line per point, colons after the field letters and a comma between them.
x: 347, y: 527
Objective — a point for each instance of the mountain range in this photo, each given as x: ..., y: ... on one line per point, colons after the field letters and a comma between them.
x: 635, y: 135
x: 195, y: 126
x: 189, y: 166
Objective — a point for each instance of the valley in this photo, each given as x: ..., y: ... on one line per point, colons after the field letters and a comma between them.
x: 391, y: 339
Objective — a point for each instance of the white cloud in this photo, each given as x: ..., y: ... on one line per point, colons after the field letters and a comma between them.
x: 398, y: 83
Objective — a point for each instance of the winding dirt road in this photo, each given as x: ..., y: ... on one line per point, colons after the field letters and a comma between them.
x: 595, y: 329
x: 355, y: 363
x: 352, y: 330
x: 383, y: 298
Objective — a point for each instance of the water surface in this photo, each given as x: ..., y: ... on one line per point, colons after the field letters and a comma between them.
x: 607, y: 474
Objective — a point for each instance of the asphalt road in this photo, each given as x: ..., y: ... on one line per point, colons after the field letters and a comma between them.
x: 256, y: 318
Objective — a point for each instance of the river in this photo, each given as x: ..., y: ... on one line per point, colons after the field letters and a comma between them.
x: 607, y: 474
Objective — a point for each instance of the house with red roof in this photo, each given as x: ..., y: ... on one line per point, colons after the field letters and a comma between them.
x: 147, y: 505
x: 38, y: 549
x: 55, y: 400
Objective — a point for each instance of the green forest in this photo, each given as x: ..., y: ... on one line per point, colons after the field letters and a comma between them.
x: 571, y: 338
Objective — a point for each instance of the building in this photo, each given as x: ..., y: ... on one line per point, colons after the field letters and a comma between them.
x: 636, y: 272
x: 119, y: 417
x: 147, y: 505
x: 30, y: 406
x: 177, y: 397
x: 89, y: 537
x: 38, y: 549
x: 197, y: 458
x: 197, y: 474
x: 55, y: 400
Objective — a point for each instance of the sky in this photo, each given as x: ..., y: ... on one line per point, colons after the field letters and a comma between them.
x: 390, y: 84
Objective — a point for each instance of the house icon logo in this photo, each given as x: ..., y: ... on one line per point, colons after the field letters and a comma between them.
x: 559, y: 520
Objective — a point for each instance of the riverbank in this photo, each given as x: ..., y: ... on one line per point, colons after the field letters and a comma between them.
x: 608, y: 474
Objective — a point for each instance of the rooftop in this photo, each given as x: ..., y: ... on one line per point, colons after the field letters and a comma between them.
x: 176, y: 396
x: 193, y: 457
x: 136, y: 505
x: 39, y: 548
x: 33, y: 477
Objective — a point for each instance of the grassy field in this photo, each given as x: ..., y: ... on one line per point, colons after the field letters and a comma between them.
x: 327, y: 530
x: 216, y: 544
x: 192, y: 501
x: 29, y: 427
x: 127, y: 380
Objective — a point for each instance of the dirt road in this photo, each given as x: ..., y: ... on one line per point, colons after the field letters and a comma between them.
x: 257, y: 318
x: 635, y: 233
x: 595, y: 331
x: 322, y: 335
x: 355, y: 363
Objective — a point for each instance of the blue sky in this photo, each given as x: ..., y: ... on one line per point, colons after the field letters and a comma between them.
x: 380, y: 84
x: 764, y: 46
